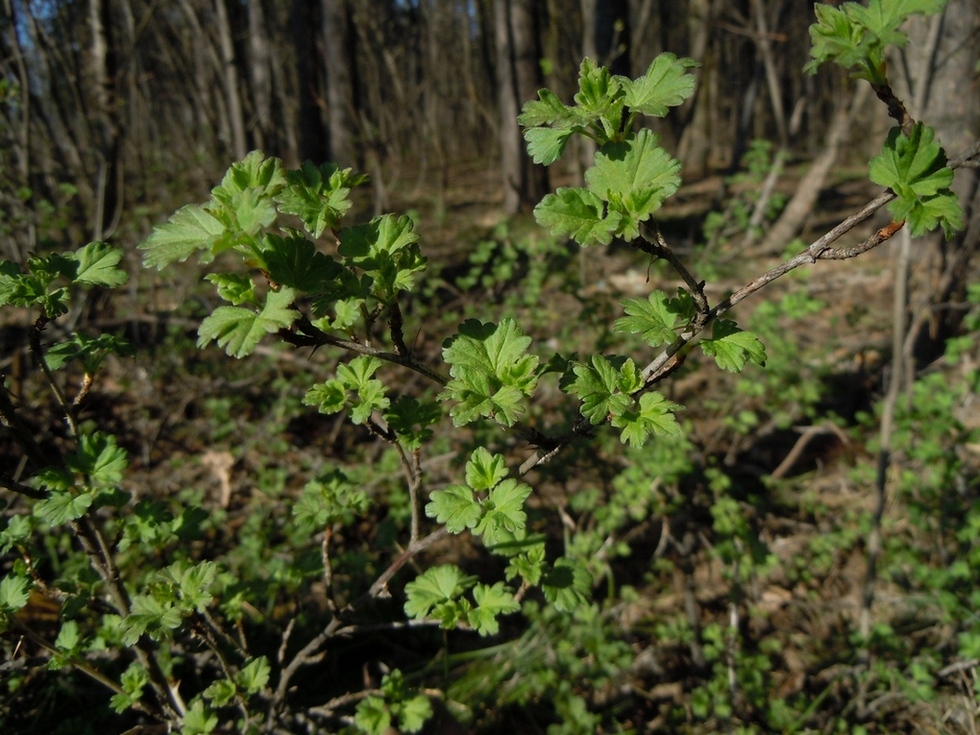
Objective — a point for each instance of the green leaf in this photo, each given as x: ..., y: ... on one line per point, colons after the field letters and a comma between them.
x: 329, y: 397
x: 491, y: 374
x: 97, y: 265
x: 191, y: 228
x: 655, y: 415
x: 503, y: 512
x: 61, y: 507
x: 254, y: 676
x: 455, y: 507
x: 548, y: 110
x: 151, y: 616
x: 234, y: 288
x: 484, y: 470
x: 600, y: 97
x: 635, y: 176
x: 198, y: 720
x: 221, y: 692
x: 254, y: 172
x: 295, y: 262
x: 914, y: 168
x: 579, y: 214
x: 356, y: 376
x: 528, y: 565
x: 666, y: 84
x: 239, y: 330
x: 491, y: 602
x: 603, y: 388
x: 386, y: 248
x: 568, y: 585
x: 732, y: 348
x: 318, y: 195
x: 90, y: 351
x: 191, y: 582
x: 14, y: 594
x: 328, y: 499
x: 414, y: 713
x: 99, y: 458
x: 653, y: 318
x: 69, y: 637
x: 433, y: 588
x: 372, y: 716
x: 410, y: 420
x: 859, y: 36
x: 545, y: 145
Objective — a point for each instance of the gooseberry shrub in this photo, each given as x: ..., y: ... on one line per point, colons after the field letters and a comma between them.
x: 197, y: 642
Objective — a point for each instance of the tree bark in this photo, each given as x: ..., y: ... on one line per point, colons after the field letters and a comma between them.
x: 341, y: 69
x: 517, y: 81
x: 236, y: 115
x: 311, y: 140
x: 260, y: 72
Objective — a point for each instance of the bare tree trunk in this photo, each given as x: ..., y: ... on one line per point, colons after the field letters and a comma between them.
x: 312, y: 143
x: 694, y: 148
x: 236, y: 115
x: 338, y: 40
x: 260, y: 72
x: 517, y: 65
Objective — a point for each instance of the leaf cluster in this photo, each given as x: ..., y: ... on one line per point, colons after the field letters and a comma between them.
x: 632, y: 175
x: 857, y: 36
x: 371, y: 264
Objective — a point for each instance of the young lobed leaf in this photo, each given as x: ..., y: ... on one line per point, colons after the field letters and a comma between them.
x: 90, y: 351
x: 600, y: 98
x: 372, y: 716
x: 239, y: 330
x: 434, y: 588
x: 61, y: 507
x: 234, y: 288
x: 410, y: 420
x: 455, y: 507
x: 491, y: 373
x: 655, y: 318
x: 330, y: 498
x: 491, y: 602
x: 635, y: 176
x: 198, y: 719
x: 732, y: 348
x: 386, y: 248
x: 568, y: 585
x: 914, y: 168
x: 484, y: 470
x: 295, y: 262
x: 603, y: 388
x: 14, y: 594
x: 666, y: 84
x: 503, y: 512
x: 579, y: 214
x: 254, y: 675
x: 99, y: 458
x: 190, y: 229
x: 858, y: 36
x: 318, y: 195
x: 413, y: 713
x: 654, y: 414
x: 98, y: 265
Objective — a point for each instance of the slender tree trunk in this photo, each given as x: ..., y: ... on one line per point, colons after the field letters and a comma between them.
x: 312, y: 142
x: 260, y: 72
x: 233, y: 96
x: 338, y: 39
x: 517, y: 70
